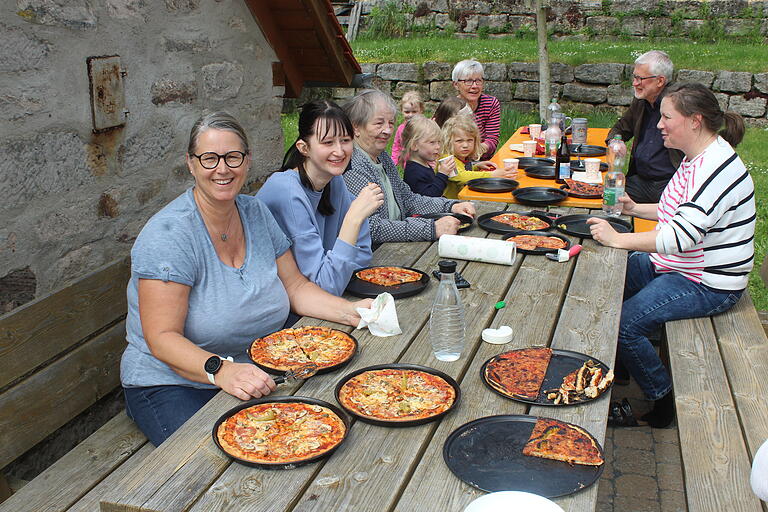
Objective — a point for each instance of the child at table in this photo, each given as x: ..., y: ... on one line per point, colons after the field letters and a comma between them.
x: 410, y: 105
x: 448, y: 108
x: 461, y: 138
x: 421, y: 147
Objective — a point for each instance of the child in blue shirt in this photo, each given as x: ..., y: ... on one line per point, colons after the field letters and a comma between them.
x: 421, y: 147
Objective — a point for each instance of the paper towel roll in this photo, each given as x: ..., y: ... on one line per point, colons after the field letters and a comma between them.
x: 477, y: 249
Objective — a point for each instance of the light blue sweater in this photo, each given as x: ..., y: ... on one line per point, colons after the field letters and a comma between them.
x: 319, y: 253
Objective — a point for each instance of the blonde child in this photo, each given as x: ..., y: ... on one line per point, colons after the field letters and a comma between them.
x: 410, y: 105
x: 461, y: 138
x: 421, y: 147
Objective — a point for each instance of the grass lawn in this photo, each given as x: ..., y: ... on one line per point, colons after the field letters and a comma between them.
x: 753, y: 150
x: 730, y: 55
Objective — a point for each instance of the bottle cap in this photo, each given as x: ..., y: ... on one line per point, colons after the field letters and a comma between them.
x: 447, y: 266
x: 498, y: 336
x: 500, y: 304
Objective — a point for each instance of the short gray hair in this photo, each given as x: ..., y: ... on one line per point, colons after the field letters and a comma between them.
x: 466, y: 68
x: 362, y: 106
x: 218, y: 121
x: 658, y: 63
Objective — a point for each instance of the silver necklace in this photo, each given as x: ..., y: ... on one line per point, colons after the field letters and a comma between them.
x: 224, y: 236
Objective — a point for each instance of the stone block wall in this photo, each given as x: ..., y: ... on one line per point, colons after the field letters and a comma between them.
x: 580, y: 88
x: 73, y: 199
x: 470, y: 18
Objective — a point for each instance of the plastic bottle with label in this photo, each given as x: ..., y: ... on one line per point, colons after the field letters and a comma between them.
x: 446, y: 322
x: 552, y: 140
x: 613, y: 185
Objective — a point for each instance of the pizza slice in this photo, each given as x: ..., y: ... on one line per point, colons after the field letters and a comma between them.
x: 519, y: 373
x: 557, y: 440
x: 388, y: 276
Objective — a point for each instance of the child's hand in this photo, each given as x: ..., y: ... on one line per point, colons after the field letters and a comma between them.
x: 447, y: 167
x: 503, y: 173
x: 484, y: 166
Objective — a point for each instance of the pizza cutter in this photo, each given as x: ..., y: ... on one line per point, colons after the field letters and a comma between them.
x: 302, y: 372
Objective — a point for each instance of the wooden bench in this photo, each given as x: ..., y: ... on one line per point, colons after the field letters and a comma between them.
x: 59, y: 355
x: 719, y: 367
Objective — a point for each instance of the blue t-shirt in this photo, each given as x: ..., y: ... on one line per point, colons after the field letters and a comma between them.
x: 228, y: 307
x: 321, y: 256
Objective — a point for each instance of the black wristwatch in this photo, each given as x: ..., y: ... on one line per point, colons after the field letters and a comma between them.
x: 213, y: 365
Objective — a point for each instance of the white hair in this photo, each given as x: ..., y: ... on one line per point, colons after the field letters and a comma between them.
x: 658, y: 63
x: 466, y: 68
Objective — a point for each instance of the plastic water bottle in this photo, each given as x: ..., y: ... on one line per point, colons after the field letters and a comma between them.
x: 446, y: 323
x: 552, y: 140
x: 617, y: 154
x: 613, y: 189
x: 552, y: 108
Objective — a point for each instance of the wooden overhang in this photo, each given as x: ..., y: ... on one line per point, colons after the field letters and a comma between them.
x: 309, y: 43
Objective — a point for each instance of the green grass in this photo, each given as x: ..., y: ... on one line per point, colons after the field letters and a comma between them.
x: 732, y: 55
x: 753, y: 150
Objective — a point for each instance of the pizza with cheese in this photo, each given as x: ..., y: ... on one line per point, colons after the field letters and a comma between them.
x: 396, y: 394
x: 388, y: 276
x: 280, y: 432
x: 557, y: 440
x: 522, y: 222
x: 534, y: 242
x: 518, y: 373
x: 290, y: 348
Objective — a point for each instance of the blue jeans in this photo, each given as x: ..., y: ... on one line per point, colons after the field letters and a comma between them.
x: 160, y: 410
x: 650, y: 300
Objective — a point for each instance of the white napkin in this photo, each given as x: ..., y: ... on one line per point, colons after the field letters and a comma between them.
x: 381, y: 318
x: 471, y: 248
x: 582, y: 176
x: 516, y: 147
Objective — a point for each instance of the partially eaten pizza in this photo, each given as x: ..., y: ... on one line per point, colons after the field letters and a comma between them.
x: 557, y: 440
x: 396, y: 394
x: 522, y: 222
x: 518, y: 373
x: 291, y: 348
x: 534, y: 242
x: 583, y: 189
x: 281, y: 432
x: 388, y: 276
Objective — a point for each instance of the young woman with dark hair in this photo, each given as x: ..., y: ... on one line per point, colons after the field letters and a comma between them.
x: 328, y: 227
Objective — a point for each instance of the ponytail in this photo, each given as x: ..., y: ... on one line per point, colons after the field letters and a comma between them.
x: 733, y: 132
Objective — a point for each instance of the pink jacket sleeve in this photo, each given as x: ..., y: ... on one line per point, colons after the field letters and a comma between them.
x: 397, y: 145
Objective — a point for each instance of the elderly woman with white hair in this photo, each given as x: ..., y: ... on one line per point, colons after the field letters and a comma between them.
x: 373, y: 118
x: 468, y: 80
x: 651, y: 165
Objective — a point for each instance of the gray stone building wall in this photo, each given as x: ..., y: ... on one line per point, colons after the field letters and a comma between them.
x: 579, y: 88
x: 72, y: 199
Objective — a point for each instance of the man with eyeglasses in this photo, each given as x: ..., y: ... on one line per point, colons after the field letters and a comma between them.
x: 651, y: 165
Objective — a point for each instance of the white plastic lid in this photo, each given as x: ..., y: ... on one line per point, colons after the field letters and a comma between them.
x: 498, y: 336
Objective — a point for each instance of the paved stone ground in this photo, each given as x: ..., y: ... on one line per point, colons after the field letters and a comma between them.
x: 643, y: 471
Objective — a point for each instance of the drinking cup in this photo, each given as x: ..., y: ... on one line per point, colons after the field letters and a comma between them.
x: 592, y: 166
x: 579, y: 130
x: 529, y: 148
x: 534, y: 130
x: 444, y: 161
x: 511, y: 164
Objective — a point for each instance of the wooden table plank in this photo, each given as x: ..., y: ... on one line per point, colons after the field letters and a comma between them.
x: 715, y: 459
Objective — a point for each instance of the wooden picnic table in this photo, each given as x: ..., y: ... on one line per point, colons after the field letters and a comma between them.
x: 573, y: 305
x: 595, y: 136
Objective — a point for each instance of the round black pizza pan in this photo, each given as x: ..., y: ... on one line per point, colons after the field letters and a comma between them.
x: 586, y: 150
x: 533, y: 161
x: 281, y: 399
x: 581, y: 196
x: 487, y: 453
x: 538, y: 250
x: 578, y: 165
x: 401, y: 366
x: 492, y: 185
x: 485, y: 222
x: 365, y: 289
x: 539, y: 196
x: 561, y: 364
x: 466, y: 220
x: 541, y: 172
x: 327, y: 369
x: 576, y: 224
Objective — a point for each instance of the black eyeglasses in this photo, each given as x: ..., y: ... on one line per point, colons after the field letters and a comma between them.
x: 636, y: 78
x: 210, y: 160
x: 471, y: 81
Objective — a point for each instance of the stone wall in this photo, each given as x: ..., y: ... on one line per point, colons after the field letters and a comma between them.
x: 74, y: 200
x: 498, y: 18
x: 580, y: 88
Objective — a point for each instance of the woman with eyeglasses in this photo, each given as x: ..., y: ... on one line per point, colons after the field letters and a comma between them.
x: 210, y: 272
x: 468, y: 80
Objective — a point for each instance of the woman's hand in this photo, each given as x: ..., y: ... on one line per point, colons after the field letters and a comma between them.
x: 370, y: 198
x: 603, y: 232
x: 465, y: 208
x: 484, y: 166
x: 483, y: 148
x: 352, y: 317
x: 446, y: 226
x: 244, y: 380
x: 447, y: 167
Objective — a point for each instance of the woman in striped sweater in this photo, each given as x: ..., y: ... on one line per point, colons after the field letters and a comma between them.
x: 468, y: 80
x: 697, y: 261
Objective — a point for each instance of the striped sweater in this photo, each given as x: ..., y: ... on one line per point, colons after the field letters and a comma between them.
x: 707, y: 220
x: 488, y: 119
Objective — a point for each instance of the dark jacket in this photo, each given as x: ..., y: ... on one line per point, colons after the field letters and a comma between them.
x: 424, y: 180
x: 407, y: 229
x: 631, y: 124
